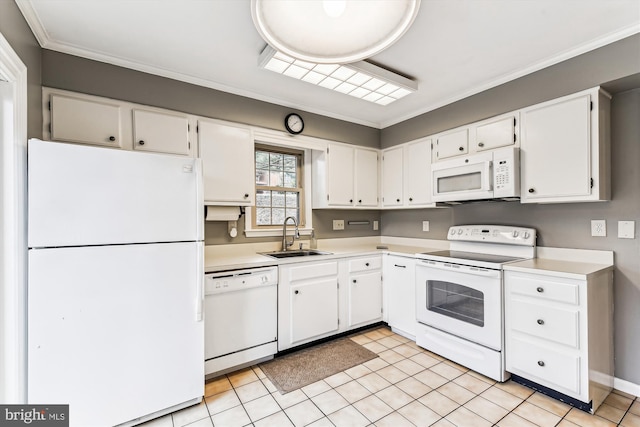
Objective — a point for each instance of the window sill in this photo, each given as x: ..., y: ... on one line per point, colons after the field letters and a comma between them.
x: 277, y: 232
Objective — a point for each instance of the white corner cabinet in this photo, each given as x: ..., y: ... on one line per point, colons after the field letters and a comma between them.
x: 319, y: 299
x: 565, y: 149
x: 345, y: 176
x: 400, y: 294
x: 86, y: 119
x: 406, y: 175
x: 559, y: 329
x: 227, y: 153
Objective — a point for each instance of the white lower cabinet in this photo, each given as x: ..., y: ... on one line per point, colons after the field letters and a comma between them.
x: 400, y: 294
x: 319, y: 299
x: 365, y: 291
x: 559, y: 334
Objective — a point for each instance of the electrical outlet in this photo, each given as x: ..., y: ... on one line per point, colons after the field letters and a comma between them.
x: 626, y: 229
x: 598, y: 228
x: 375, y: 225
x: 338, y: 224
x: 425, y: 225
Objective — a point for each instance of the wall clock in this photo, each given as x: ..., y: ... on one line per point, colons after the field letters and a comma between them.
x: 294, y: 123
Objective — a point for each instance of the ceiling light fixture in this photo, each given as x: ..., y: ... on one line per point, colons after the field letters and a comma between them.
x: 360, y: 79
x: 332, y: 31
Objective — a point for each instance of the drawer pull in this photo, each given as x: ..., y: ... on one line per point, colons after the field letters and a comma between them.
x: 296, y: 292
x: 540, y: 322
x: 354, y: 281
x: 540, y: 289
x: 366, y: 264
x: 540, y: 363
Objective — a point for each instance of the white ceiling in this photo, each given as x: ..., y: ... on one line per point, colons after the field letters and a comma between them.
x: 454, y: 49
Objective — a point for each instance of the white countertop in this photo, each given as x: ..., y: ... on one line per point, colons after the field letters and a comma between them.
x: 249, y: 255
x: 560, y: 262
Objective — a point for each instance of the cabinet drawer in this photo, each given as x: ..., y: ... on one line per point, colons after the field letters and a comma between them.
x: 549, y: 323
x: 544, y: 365
x: 311, y: 271
x: 543, y: 287
x: 364, y: 264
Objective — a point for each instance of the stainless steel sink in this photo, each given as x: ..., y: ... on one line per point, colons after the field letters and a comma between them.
x: 295, y: 253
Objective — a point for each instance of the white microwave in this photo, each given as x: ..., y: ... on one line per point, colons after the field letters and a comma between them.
x: 489, y: 175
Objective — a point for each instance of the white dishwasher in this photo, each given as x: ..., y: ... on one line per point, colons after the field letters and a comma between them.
x: 241, y: 318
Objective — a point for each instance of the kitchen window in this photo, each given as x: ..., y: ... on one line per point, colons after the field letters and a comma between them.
x: 279, y: 190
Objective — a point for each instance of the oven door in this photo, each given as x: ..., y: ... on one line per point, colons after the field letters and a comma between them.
x: 464, y: 178
x: 461, y: 300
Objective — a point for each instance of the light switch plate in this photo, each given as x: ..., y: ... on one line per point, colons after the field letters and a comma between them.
x: 425, y: 225
x: 338, y: 224
x: 598, y: 227
x: 626, y: 229
x: 375, y: 225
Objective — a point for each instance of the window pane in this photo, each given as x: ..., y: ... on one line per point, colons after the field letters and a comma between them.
x: 276, y: 161
x: 292, y: 200
x: 262, y: 160
x: 263, y: 216
x: 290, y: 163
x: 263, y: 198
x: 262, y: 177
x: 275, y: 179
x: 293, y: 213
x: 290, y: 180
x: 277, y: 199
x: 277, y: 216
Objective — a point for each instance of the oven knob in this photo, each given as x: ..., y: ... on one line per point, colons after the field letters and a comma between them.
x: 515, y: 233
x: 460, y: 231
x: 452, y: 232
x: 526, y: 235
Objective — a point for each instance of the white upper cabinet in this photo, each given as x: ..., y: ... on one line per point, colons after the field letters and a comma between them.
x: 451, y: 143
x: 565, y: 150
x: 392, y: 176
x: 87, y: 121
x: 406, y: 175
x: 418, y: 172
x: 345, y: 176
x: 228, y: 163
x: 496, y: 132
x: 366, y: 178
x: 161, y: 132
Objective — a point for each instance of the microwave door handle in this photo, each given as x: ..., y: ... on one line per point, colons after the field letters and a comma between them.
x: 487, y: 176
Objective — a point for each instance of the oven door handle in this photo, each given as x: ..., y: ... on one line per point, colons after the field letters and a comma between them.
x: 457, y: 268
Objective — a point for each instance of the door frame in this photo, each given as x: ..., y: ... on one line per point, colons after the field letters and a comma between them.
x: 13, y: 233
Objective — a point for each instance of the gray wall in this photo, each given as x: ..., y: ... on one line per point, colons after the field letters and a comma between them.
x: 69, y: 72
x: 566, y: 225
x: 15, y: 29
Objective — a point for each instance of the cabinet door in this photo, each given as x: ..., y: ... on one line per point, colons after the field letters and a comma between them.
x: 161, y: 132
x: 340, y: 163
x: 313, y: 308
x: 496, y: 133
x: 366, y: 178
x: 365, y: 298
x: 228, y: 164
x: 452, y: 144
x: 556, y: 149
x: 85, y: 121
x: 400, y: 295
x: 418, y: 172
x: 392, y: 179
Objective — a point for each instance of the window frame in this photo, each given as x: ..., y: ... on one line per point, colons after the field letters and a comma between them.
x: 300, y: 174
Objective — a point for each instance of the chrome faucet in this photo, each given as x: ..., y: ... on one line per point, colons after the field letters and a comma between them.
x: 296, y: 234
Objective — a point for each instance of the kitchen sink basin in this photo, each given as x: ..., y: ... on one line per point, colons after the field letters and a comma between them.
x: 295, y: 253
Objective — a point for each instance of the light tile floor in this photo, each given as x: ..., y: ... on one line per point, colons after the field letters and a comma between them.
x: 405, y: 386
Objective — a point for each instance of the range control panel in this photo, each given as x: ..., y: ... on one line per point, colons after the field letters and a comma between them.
x: 493, y: 234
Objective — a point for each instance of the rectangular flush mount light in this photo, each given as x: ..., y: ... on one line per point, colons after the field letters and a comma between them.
x: 359, y: 79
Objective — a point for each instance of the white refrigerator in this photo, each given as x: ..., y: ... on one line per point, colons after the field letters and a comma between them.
x: 115, y: 290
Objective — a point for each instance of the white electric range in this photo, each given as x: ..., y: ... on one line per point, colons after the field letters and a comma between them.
x: 459, y: 295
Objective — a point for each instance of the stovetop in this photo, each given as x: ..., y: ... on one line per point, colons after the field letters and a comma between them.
x: 471, y: 256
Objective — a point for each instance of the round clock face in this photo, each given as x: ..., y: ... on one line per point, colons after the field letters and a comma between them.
x: 293, y: 123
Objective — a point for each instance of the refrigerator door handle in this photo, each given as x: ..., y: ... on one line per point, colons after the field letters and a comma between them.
x: 200, y: 283
x: 199, y: 199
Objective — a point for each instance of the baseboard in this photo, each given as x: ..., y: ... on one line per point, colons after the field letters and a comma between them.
x: 626, y: 386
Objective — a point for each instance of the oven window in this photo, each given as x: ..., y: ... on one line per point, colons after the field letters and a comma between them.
x: 456, y: 301
x: 464, y: 182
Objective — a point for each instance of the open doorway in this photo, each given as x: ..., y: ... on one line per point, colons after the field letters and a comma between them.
x: 13, y: 229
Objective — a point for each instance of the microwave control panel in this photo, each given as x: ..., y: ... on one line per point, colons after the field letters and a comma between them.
x: 506, y: 173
